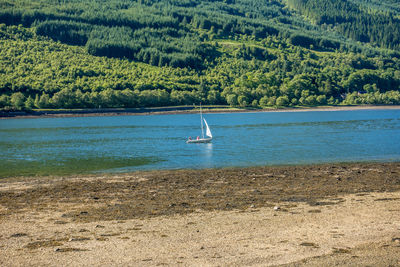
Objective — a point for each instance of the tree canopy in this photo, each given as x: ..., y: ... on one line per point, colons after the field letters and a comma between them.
x: 125, y: 53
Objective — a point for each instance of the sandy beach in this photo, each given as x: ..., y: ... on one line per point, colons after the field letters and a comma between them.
x: 316, y: 215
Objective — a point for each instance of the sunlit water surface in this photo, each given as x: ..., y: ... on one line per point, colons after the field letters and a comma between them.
x: 47, y: 146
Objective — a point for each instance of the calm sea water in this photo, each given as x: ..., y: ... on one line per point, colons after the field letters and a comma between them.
x: 127, y: 143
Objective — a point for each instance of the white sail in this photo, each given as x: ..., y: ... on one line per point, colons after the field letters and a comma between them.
x: 208, y: 132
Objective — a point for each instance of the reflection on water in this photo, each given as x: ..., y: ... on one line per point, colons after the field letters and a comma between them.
x: 127, y: 143
x: 206, y: 150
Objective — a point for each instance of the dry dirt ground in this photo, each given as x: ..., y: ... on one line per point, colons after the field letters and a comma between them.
x: 317, y: 215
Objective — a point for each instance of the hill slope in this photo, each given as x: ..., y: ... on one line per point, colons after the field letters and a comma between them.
x: 125, y: 53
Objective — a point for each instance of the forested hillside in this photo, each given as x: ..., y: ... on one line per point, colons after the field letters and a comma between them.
x: 127, y: 53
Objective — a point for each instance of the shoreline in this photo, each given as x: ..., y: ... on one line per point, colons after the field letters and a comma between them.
x: 309, y: 215
x: 180, y: 110
x: 96, y: 174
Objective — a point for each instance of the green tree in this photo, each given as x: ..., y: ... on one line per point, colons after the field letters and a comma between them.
x: 4, y: 101
x: 311, y: 100
x: 264, y: 101
x: 44, y: 101
x: 29, y: 103
x: 17, y: 101
x: 65, y: 98
x: 271, y: 101
x: 243, y: 101
x: 232, y: 100
x: 321, y: 99
x: 282, y: 101
x: 213, y: 97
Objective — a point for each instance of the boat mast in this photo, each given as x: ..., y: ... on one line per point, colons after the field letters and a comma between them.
x: 201, y: 119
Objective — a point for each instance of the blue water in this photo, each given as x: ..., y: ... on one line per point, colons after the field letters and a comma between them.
x: 127, y: 143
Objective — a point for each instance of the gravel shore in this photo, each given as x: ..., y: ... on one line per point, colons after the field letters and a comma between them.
x: 314, y: 215
x: 179, y: 110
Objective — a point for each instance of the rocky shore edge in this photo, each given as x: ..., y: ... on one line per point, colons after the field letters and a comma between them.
x: 315, y: 215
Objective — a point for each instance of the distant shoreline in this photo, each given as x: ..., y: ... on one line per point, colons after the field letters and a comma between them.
x: 178, y: 110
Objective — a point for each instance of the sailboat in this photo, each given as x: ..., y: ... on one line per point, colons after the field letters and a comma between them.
x: 208, y: 132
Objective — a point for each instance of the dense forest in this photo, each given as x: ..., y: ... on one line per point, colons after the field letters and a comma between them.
x: 143, y: 53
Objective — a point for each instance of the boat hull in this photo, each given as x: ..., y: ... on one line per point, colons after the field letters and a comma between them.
x: 198, y: 141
